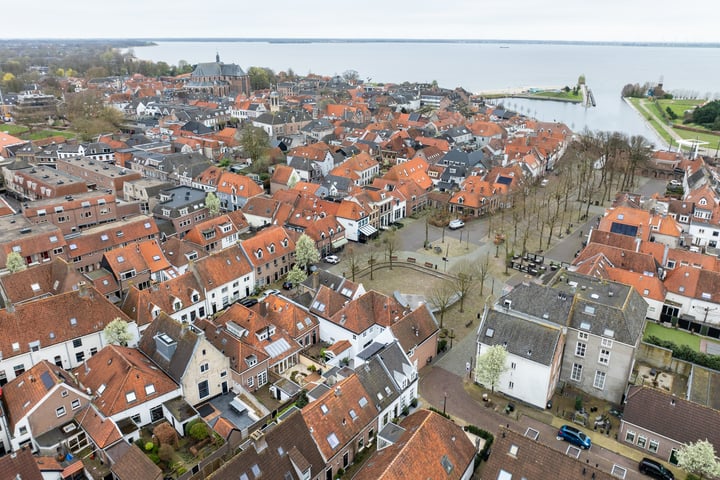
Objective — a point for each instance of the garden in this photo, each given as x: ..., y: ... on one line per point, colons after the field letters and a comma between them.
x: 173, y: 454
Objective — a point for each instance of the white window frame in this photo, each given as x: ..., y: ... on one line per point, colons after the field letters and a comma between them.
x: 642, y: 441
x: 604, y: 356
x: 630, y: 436
x: 583, y: 335
x: 580, y: 349
x: 653, y: 446
x: 606, y: 342
x: 599, y: 375
x: 60, y: 411
x: 576, y: 368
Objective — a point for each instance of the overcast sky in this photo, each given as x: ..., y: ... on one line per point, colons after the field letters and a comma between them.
x: 582, y: 20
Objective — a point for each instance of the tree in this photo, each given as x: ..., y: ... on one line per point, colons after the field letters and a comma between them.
x: 296, y: 276
x: 390, y: 241
x: 352, y: 259
x: 254, y: 142
x: 89, y: 115
x: 15, y: 262
x: 305, y: 251
x: 261, y: 78
x: 441, y: 297
x: 464, y: 282
x: 491, y: 365
x: 212, y: 202
x: 351, y: 76
x: 483, y: 271
x: 698, y: 458
x: 118, y: 333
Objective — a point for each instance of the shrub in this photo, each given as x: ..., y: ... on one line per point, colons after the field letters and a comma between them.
x: 149, y: 446
x: 165, y: 452
x: 405, y: 411
x: 166, y: 434
x: 487, y: 436
x: 414, y: 402
x: 433, y: 409
x: 441, y: 345
x: 154, y: 457
x: 684, y: 352
x: 199, y: 431
x: 578, y: 403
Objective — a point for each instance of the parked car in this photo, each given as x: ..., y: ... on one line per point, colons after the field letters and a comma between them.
x: 332, y: 259
x: 287, y: 285
x: 654, y: 469
x: 267, y: 293
x: 675, y: 183
x: 248, y: 302
x: 574, y: 436
x: 455, y: 224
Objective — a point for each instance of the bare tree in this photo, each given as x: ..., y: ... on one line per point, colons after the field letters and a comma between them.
x: 390, y: 241
x: 441, y: 297
x: 464, y: 283
x: 352, y: 260
x: 373, y: 258
x: 483, y: 271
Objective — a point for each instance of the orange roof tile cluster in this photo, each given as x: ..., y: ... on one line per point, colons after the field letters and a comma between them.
x: 339, y: 415
x: 267, y: 245
x: 122, y: 378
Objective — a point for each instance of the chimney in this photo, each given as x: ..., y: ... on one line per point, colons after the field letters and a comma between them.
x: 315, y: 281
x: 82, y: 288
x: 258, y: 440
x: 338, y: 392
x: 10, y: 307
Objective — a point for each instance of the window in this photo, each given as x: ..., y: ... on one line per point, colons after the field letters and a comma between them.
x: 149, y: 389
x: 75, y: 404
x: 130, y: 396
x: 136, y: 419
x: 251, y: 381
x: 60, y: 411
x: 204, y: 367
x: 513, y: 365
x: 582, y: 335
x: 606, y: 342
x: 262, y: 378
x: 203, y: 389
x: 19, y: 369
x: 630, y: 436
x: 653, y: 446
x: 673, y: 457
x: 64, y: 393
x: 641, y: 441
x: 23, y: 430
x: 599, y: 381
x: 77, y: 342
x: 511, y: 385
x: 604, y: 356
x: 80, y: 356
x: 580, y: 349
x: 576, y: 374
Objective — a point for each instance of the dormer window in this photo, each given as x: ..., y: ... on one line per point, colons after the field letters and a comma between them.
x: 271, y: 248
x: 177, y: 305
x: 259, y: 253
x: 195, y: 297
x: 284, y: 243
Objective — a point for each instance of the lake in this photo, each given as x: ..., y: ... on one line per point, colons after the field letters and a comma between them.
x: 484, y: 66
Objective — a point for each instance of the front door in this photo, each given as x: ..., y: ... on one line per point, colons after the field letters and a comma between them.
x: 224, y: 388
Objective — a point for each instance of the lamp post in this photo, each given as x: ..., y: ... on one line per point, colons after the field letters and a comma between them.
x: 444, y: 403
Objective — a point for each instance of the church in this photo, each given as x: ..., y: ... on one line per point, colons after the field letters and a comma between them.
x: 219, y: 79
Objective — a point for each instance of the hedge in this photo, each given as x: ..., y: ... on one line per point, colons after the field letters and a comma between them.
x: 487, y: 436
x: 683, y: 352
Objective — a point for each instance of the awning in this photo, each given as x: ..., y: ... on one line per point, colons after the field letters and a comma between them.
x: 368, y: 230
x: 339, y: 242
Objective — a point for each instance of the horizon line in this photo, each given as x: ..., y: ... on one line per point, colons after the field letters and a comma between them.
x: 379, y: 40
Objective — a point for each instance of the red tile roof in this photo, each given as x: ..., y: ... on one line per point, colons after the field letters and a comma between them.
x: 129, y: 378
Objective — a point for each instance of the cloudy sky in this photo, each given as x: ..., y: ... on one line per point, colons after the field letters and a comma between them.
x: 581, y: 20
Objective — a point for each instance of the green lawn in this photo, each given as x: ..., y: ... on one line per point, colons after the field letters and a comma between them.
x: 49, y: 133
x: 12, y: 129
x: 679, y: 106
x: 558, y: 94
x: 655, y: 120
x: 679, y: 337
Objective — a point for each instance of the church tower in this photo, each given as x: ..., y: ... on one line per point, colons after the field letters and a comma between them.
x: 274, y: 101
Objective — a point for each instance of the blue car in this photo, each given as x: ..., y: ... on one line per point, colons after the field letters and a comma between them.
x: 574, y: 436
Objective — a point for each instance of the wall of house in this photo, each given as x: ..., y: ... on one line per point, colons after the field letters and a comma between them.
x: 257, y: 372
x: 45, y: 417
x: 524, y: 379
x: 65, y: 352
x: 143, y: 409
x: 617, y: 371
x: 221, y: 297
x: 218, y: 371
x: 641, y: 439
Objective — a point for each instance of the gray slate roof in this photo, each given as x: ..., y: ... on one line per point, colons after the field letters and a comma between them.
x: 376, y: 380
x: 185, y: 337
x: 524, y: 338
x: 217, y: 69
x: 672, y: 417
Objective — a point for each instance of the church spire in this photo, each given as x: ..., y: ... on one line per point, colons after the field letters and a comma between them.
x: 217, y: 57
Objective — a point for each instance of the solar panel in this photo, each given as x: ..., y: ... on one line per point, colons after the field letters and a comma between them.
x: 47, y: 380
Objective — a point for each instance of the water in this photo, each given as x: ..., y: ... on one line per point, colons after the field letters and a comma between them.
x: 484, y: 66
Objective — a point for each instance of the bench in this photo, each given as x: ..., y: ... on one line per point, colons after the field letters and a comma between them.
x: 468, y: 323
x: 428, y: 264
x: 411, y: 260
